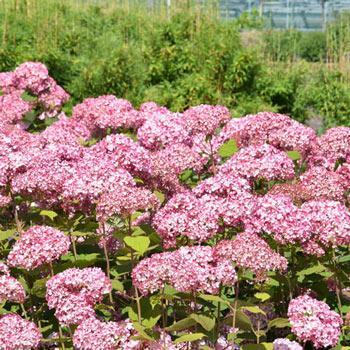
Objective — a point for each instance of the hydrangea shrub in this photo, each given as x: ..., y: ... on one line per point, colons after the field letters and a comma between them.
x: 141, y: 228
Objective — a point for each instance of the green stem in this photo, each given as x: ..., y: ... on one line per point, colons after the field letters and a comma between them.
x: 338, y: 286
x: 108, y: 268
x: 235, y: 304
x: 61, y: 338
x: 72, y: 239
x: 24, y: 311
x: 213, y: 165
x: 51, y: 270
x: 136, y: 292
x: 163, y: 309
x: 218, y: 316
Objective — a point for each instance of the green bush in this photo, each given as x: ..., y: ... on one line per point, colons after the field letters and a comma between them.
x: 189, y: 58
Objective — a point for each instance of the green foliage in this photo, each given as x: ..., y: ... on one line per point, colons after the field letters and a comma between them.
x: 139, y: 244
x: 181, y: 60
x: 313, y: 46
x: 228, y: 148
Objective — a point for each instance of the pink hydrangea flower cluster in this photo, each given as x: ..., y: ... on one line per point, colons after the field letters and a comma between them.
x: 162, y: 130
x: 260, y: 162
x: 331, y: 147
x: 186, y: 269
x: 74, y: 292
x: 37, y: 246
x: 314, y: 321
x: 13, y: 108
x: 324, y: 184
x: 11, y: 290
x: 205, y: 119
x: 167, y: 165
x: 275, y: 129
x: 248, y: 251
x: 18, y: 334
x: 295, y: 191
x: 124, y: 201
x: 329, y: 225
x: 93, y: 334
x: 229, y: 195
x: 286, y: 344
x: 4, y: 269
x: 65, y: 131
x: 186, y: 215
x: 106, y: 112
x: 278, y: 216
x: 34, y: 78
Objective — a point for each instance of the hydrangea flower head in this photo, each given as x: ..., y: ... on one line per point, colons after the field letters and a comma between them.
x: 18, y: 334
x: 93, y: 334
x: 37, y: 246
x: 312, y: 320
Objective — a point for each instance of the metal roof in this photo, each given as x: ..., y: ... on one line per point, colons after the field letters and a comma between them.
x: 300, y: 14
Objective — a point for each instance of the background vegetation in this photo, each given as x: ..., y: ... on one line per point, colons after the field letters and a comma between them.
x: 182, y: 57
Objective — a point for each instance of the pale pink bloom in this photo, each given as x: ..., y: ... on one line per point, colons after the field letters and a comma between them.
x: 37, y: 246
x: 11, y: 290
x: 314, y: 321
x: 329, y: 223
x: 324, y: 184
x: 249, y: 251
x: 260, y: 162
x: 186, y: 215
x: 188, y: 269
x: 286, y: 344
x: 18, y: 334
x: 93, y: 334
x: 74, y: 292
x: 276, y: 129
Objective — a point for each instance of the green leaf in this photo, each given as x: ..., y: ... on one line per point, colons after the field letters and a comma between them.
x: 160, y: 196
x: 49, y: 213
x: 215, y: 298
x: 294, y: 155
x: 228, y: 149
x: 141, y: 331
x: 272, y: 282
x: 140, y: 243
x: 106, y: 310
x: 185, y: 175
x: 23, y: 282
x: 242, y: 321
x: 150, y: 322
x: 344, y: 258
x: 314, y: 269
x: 169, y: 290
x: 206, y: 322
x: 189, y: 337
x: 4, y: 235
x: 83, y: 260
x: 262, y: 296
x: 253, y: 309
x: 80, y: 233
x: 117, y: 285
x: 39, y: 288
x: 181, y: 325
x: 279, y: 323
x: 262, y: 346
x: 132, y: 314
